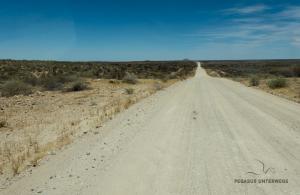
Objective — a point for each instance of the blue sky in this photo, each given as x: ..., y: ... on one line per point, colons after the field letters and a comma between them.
x: 149, y: 30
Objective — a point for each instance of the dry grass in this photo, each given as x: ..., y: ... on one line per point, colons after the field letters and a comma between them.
x: 47, y: 121
x: 16, y: 164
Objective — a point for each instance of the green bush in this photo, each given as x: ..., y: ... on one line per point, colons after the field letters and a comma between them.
x: 277, y: 83
x: 254, y: 81
x: 15, y: 87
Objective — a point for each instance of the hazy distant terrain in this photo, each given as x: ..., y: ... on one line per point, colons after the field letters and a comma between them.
x: 110, y: 70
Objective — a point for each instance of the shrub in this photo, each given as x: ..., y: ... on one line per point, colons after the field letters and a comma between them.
x: 165, y: 78
x: 16, y: 164
x: 157, y: 86
x: 57, y: 82
x: 15, y: 87
x: 130, y: 78
x: 254, y: 81
x: 114, y: 81
x: 3, y: 123
x: 31, y: 79
x: 277, y: 83
x: 67, y: 78
x: 78, y: 86
x: 51, y: 83
x: 129, y: 91
x: 296, y: 71
x: 173, y: 75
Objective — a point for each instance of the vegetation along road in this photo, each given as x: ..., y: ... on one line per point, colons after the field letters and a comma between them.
x: 203, y: 135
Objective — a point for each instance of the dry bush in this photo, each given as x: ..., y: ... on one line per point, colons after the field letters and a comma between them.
x: 296, y: 71
x: 165, y: 79
x: 78, y: 86
x: 63, y: 139
x: 112, y: 81
x: 51, y: 83
x: 6, y: 151
x: 130, y: 78
x: 254, y: 81
x: 157, y: 86
x: 15, y: 87
x: 31, y: 79
x: 1, y: 168
x: 129, y: 91
x: 35, y: 160
x: 16, y: 164
x: 3, y: 123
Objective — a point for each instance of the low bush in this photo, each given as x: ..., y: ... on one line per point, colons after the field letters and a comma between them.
x: 254, y: 81
x: 129, y: 91
x: 15, y: 87
x: 78, y: 86
x: 157, y: 86
x: 51, y: 83
x: 3, y: 123
x: 296, y: 71
x: 57, y: 82
x: 67, y: 78
x: 31, y: 79
x: 277, y: 83
x: 130, y: 78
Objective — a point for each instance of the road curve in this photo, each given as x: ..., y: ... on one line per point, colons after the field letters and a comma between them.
x: 199, y: 136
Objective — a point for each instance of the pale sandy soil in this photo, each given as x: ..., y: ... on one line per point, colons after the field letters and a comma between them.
x: 41, y: 123
x: 199, y: 136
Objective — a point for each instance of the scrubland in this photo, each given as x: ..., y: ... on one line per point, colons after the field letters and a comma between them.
x: 46, y: 105
x: 278, y: 77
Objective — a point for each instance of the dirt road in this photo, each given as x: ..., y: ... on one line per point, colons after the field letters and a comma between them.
x: 198, y: 136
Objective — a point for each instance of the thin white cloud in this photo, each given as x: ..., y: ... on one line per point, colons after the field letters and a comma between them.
x: 248, y: 9
x: 296, y: 41
x: 277, y: 26
x: 292, y: 12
